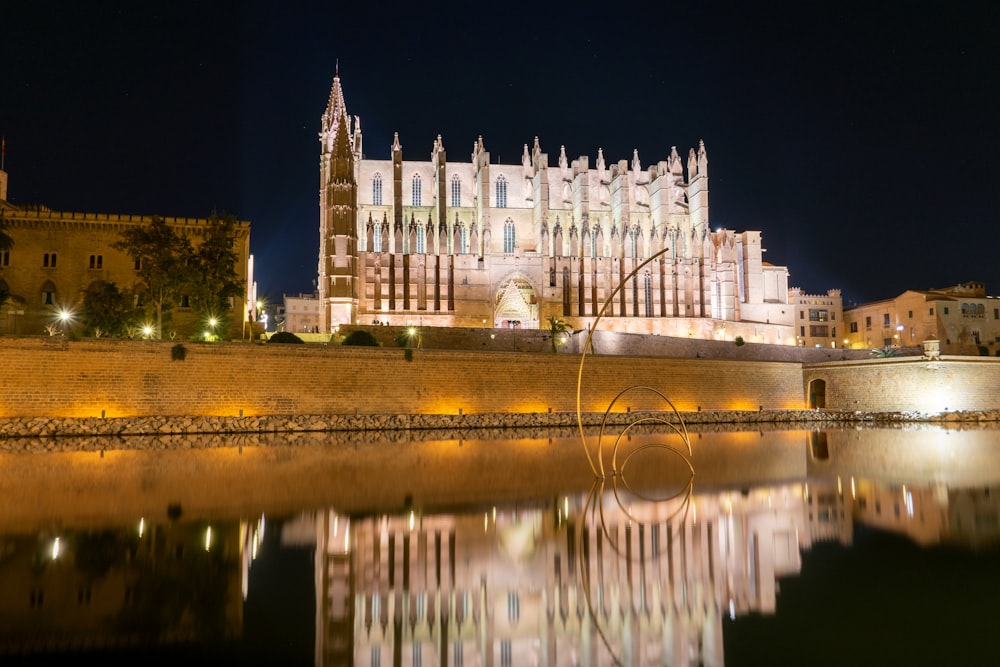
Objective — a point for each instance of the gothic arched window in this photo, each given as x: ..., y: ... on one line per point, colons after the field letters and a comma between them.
x: 508, y: 236
x: 377, y: 189
x: 377, y: 238
x: 456, y: 191
x: 421, y: 239
x: 501, y: 192
x: 416, y: 190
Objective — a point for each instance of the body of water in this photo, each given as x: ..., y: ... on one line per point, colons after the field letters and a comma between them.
x: 537, y: 548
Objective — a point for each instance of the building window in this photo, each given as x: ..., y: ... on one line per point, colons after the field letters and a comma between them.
x: 513, y: 607
x: 910, y: 314
x: 49, y: 260
x: 457, y: 657
x: 648, y: 289
x: 818, y: 315
x: 819, y: 331
x: 376, y: 656
x: 5, y: 258
x: 506, y: 653
x: 48, y: 293
x: 421, y: 240
x: 868, y: 322
x: 802, y: 331
x: 633, y: 243
x: 418, y: 654
x: 377, y: 189
x: 415, y: 201
x: 463, y: 233
x: 854, y: 327
x: 932, y: 311
x: 138, y: 264
x: 185, y: 301
x: 97, y: 261
x: 996, y: 311
x: 885, y: 319
x: 501, y: 192
x: 945, y: 308
x: 508, y: 236
x: 377, y: 238
x: 456, y: 191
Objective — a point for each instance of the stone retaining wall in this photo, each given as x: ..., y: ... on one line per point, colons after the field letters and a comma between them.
x: 64, y: 434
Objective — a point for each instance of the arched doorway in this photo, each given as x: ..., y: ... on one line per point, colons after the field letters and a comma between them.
x: 817, y: 393
x: 516, y: 304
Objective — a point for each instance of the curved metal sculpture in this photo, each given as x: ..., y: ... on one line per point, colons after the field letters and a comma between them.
x: 617, y: 465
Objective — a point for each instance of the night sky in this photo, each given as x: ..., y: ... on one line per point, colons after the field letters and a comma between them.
x: 858, y: 137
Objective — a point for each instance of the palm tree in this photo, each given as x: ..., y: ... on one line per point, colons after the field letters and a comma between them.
x: 557, y: 328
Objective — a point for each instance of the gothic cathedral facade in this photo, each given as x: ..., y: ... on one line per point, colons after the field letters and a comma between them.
x: 476, y: 244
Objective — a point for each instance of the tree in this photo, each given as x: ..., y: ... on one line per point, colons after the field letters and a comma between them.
x: 163, y: 258
x: 214, y: 280
x: 360, y: 337
x: 285, y: 337
x: 558, y: 328
x: 107, y: 310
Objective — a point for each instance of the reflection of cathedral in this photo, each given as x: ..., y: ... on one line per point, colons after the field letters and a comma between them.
x: 475, y: 243
x: 542, y: 587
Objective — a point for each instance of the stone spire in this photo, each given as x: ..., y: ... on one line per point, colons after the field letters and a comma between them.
x: 702, y: 158
x: 336, y: 110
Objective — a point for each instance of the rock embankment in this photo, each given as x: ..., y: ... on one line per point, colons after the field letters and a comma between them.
x: 17, y: 433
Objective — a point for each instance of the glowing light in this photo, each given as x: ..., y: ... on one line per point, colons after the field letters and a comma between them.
x: 212, y: 322
x: 55, y: 548
x: 142, y: 527
x: 413, y: 518
x: 208, y: 538
x: 854, y: 490
x: 147, y: 330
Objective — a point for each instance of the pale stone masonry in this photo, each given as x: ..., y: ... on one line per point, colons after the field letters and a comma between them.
x: 471, y: 242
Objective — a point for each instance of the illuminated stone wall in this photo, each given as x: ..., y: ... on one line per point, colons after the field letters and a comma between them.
x: 53, y: 377
x: 908, y: 384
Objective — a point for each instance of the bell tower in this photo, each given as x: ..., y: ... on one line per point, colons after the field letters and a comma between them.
x: 338, y: 201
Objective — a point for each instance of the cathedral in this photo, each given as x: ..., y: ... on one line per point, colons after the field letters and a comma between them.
x: 472, y: 243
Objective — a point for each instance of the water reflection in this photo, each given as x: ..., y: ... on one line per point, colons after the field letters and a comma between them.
x: 467, y: 552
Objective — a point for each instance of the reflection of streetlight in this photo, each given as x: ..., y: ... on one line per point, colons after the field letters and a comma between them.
x: 899, y: 334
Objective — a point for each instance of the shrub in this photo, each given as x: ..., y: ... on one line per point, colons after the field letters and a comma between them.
x: 285, y: 337
x: 739, y: 341
x: 360, y: 338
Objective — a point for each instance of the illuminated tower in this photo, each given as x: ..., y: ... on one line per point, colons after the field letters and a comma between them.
x: 338, y: 242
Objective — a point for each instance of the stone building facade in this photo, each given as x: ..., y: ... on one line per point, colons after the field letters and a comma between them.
x: 818, y: 318
x: 57, y: 256
x: 962, y: 317
x: 474, y: 243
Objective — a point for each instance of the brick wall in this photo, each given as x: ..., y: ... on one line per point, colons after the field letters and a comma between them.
x: 61, y: 378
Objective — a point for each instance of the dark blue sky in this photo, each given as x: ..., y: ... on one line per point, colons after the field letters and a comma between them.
x: 859, y: 137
